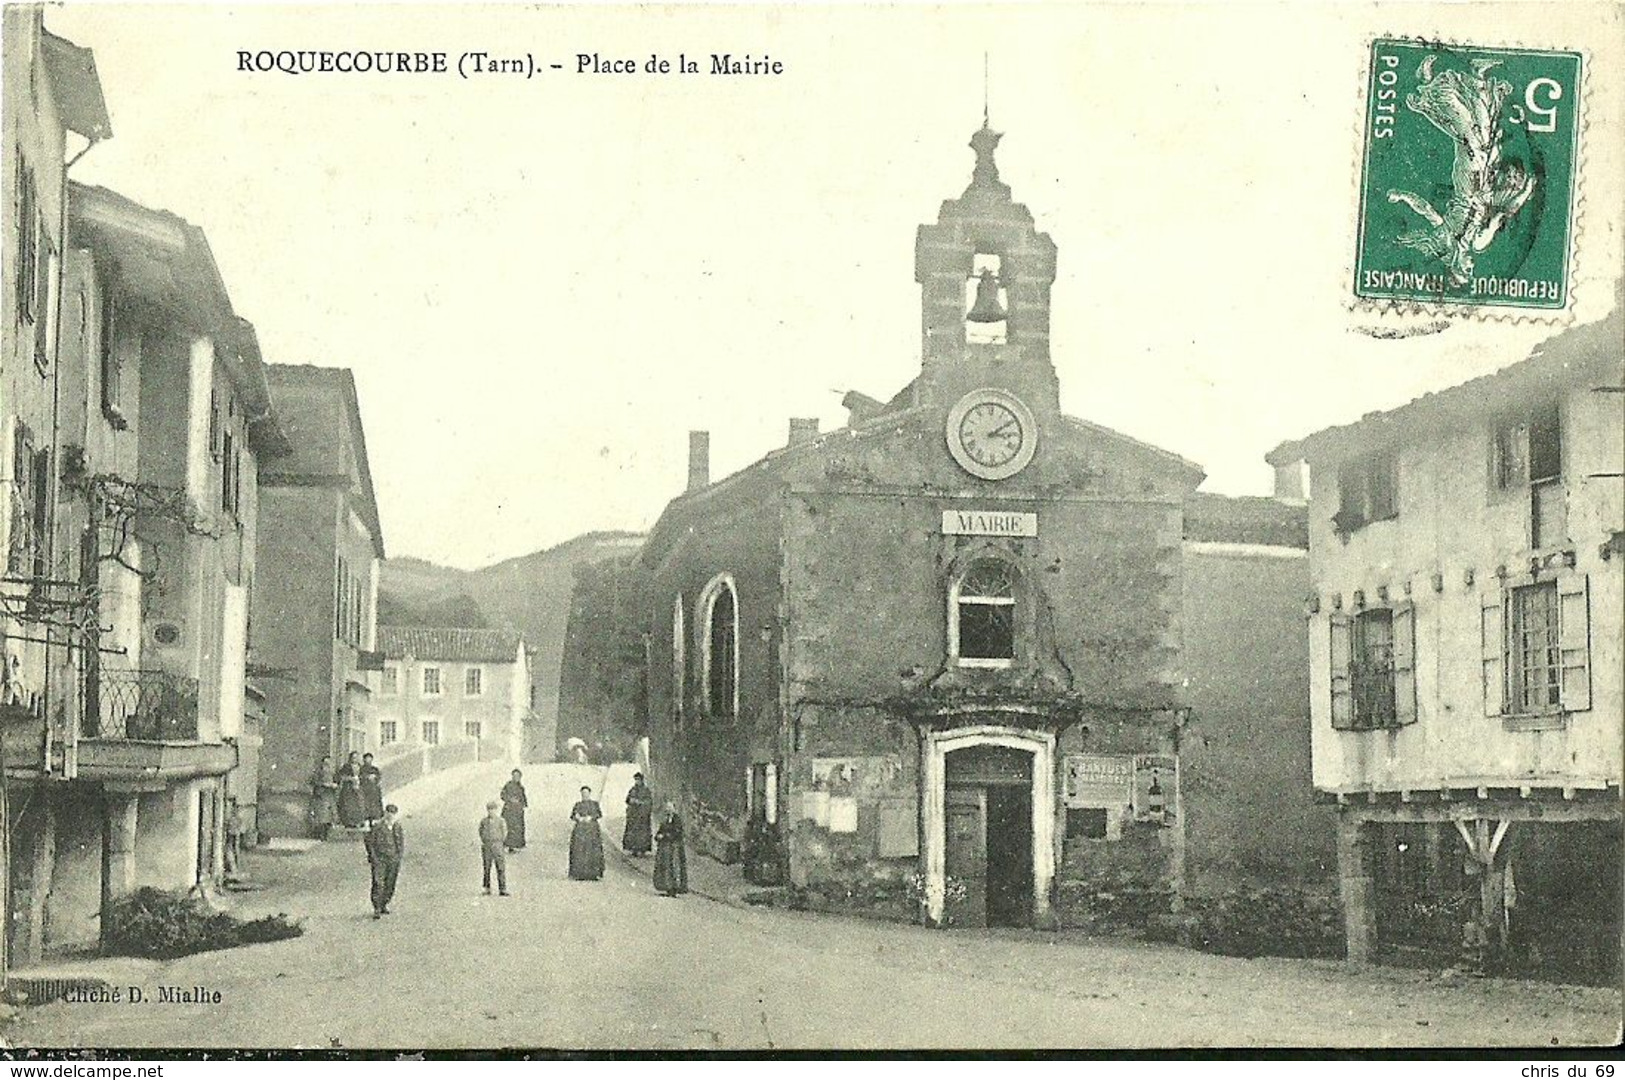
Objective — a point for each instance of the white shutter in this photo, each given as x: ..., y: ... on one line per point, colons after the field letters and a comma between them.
x: 1574, y: 640
x: 1405, y: 663
x: 1492, y: 642
x: 1342, y: 656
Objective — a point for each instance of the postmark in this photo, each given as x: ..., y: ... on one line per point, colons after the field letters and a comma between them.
x: 1469, y: 181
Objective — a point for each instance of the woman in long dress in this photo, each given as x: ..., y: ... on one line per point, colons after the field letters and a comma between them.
x: 372, y: 790
x: 586, y: 843
x: 640, y: 804
x: 348, y: 778
x: 671, y: 861
x: 324, y: 799
x: 513, y: 810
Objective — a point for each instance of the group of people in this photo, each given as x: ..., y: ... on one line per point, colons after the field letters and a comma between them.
x: 671, y: 862
x: 501, y: 833
x: 351, y: 796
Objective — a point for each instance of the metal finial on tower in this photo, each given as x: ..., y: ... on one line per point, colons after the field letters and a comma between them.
x: 984, y: 88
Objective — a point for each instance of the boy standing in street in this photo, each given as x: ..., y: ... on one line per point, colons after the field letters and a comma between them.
x: 386, y: 844
x: 493, y: 837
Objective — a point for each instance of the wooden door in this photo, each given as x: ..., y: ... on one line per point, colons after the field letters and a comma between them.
x: 966, y: 856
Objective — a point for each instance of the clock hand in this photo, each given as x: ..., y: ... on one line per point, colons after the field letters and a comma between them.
x: 1002, y: 428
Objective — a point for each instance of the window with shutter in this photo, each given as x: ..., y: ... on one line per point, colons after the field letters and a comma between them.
x: 338, y: 600
x: 45, y: 281
x: 27, y: 243
x: 1342, y: 659
x: 20, y: 556
x: 1574, y: 638
x: 226, y: 501
x: 108, y: 355
x: 1492, y: 647
x: 40, y: 511
x: 1404, y: 626
x: 1368, y: 490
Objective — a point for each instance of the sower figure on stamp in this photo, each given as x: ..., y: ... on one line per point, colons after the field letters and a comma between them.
x: 386, y: 845
x: 493, y: 838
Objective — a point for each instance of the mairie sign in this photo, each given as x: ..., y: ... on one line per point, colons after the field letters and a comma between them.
x: 989, y: 523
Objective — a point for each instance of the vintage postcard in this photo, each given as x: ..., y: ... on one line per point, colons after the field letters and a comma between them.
x: 770, y: 528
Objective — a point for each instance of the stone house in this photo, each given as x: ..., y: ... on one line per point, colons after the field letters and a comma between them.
x: 1467, y: 551
x: 164, y: 415
x: 316, y: 603
x: 54, y: 113
x: 453, y: 688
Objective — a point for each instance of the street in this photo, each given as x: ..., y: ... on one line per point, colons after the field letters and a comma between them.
x: 611, y: 964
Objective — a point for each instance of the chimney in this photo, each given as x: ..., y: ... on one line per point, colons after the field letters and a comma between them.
x: 699, y: 460
x: 803, y: 429
x: 1289, y: 485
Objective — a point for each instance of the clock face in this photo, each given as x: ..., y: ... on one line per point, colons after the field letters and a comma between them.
x: 991, y: 434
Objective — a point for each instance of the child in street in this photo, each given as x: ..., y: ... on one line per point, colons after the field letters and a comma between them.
x: 493, y: 839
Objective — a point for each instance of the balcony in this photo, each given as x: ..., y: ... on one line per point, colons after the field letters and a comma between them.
x: 143, y: 706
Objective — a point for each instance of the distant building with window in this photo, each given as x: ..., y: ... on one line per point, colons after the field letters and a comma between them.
x: 316, y: 601
x: 937, y: 655
x: 1467, y: 552
x: 442, y: 686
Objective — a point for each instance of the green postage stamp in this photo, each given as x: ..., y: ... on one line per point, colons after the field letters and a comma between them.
x: 1467, y: 193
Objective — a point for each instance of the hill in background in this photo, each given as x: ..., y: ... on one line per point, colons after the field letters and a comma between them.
x: 530, y: 594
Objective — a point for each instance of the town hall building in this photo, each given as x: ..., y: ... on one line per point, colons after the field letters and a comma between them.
x: 940, y: 647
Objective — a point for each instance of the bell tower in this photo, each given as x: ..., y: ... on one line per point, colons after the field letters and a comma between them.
x: 985, y: 273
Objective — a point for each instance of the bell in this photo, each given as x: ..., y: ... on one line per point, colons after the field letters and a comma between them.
x: 987, y: 308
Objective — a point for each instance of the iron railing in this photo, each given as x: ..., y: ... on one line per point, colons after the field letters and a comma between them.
x: 144, y: 706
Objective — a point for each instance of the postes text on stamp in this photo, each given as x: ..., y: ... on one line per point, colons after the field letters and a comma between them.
x: 1468, y: 186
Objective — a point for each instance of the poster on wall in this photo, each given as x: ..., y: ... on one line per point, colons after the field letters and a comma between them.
x: 1156, y: 788
x: 1104, y: 781
x: 869, y: 776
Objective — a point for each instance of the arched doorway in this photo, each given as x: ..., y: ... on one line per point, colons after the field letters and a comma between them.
x: 989, y: 824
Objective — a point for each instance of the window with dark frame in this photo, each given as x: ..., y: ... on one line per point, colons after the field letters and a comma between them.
x: 431, y: 733
x: 1367, y: 491
x: 473, y: 682
x: 471, y: 729
x: 721, y: 636
x: 1534, y: 656
x: 387, y: 732
x: 431, y: 681
x: 985, y: 614
x: 1372, y: 668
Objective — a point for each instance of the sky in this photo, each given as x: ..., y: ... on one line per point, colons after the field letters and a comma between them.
x: 542, y: 284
